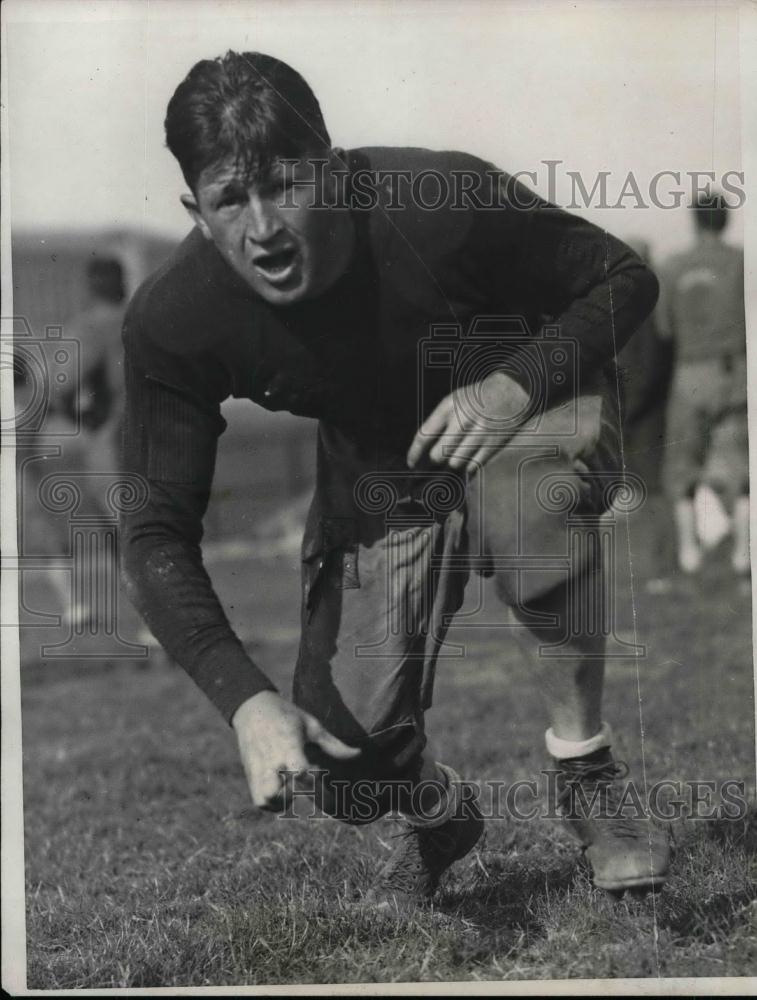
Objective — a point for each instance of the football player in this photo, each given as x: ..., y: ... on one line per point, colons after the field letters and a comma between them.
x: 702, y: 310
x: 410, y: 301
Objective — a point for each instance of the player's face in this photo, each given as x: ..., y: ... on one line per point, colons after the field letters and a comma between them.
x: 277, y: 231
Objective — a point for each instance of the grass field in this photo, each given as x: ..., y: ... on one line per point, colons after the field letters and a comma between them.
x: 146, y: 866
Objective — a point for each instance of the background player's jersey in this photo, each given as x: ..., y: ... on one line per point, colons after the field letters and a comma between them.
x: 702, y: 302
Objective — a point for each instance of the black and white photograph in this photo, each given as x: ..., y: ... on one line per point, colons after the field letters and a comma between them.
x: 377, y: 604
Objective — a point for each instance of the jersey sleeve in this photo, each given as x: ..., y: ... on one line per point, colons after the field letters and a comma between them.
x: 172, y: 425
x: 589, y: 284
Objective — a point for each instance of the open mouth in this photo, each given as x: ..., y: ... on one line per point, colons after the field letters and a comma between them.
x: 277, y: 267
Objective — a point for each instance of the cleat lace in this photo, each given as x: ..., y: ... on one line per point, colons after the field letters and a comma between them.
x: 603, y: 778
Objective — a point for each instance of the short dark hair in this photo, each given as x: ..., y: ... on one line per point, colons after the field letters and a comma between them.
x: 247, y: 105
x: 710, y: 211
x: 105, y: 278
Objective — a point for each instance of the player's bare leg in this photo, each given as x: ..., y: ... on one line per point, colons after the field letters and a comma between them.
x: 625, y: 852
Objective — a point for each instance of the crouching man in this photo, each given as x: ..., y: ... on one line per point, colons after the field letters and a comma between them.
x: 422, y: 338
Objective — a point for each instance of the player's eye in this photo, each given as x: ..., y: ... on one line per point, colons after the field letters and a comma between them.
x: 231, y: 199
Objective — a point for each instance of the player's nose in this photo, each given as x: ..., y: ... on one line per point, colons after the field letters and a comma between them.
x: 263, y: 221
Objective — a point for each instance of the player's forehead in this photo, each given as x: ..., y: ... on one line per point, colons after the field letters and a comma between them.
x: 233, y: 169
x: 250, y: 171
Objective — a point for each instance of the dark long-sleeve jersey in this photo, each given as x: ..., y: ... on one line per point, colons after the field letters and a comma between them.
x: 360, y: 357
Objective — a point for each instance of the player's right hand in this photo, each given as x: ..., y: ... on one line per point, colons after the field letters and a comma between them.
x: 272, y: 734
x: 472, y: 424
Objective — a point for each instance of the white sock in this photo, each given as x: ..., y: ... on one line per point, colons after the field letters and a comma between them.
x: 562, y: 749
x: 448, y: 803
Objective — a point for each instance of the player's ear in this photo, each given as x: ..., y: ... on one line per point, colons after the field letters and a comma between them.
x: 190, y: 203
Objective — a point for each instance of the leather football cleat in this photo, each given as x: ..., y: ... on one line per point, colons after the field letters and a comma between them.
x: 411, y: 875
x: 624, y: 851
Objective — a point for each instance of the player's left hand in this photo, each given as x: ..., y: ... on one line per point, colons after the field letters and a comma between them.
x: 472, y: 424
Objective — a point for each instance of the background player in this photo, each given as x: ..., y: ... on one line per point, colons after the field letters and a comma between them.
x: 96, y: 404
x: 702, y: 309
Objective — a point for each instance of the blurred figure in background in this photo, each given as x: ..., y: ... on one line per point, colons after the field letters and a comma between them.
x: 97, y: 401
x: 100, y: 396
x: 702, y: 312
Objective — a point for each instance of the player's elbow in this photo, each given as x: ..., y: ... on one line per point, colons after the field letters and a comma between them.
x: 138, y: 541
x: 131, y: 562
x: 152, y: 549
